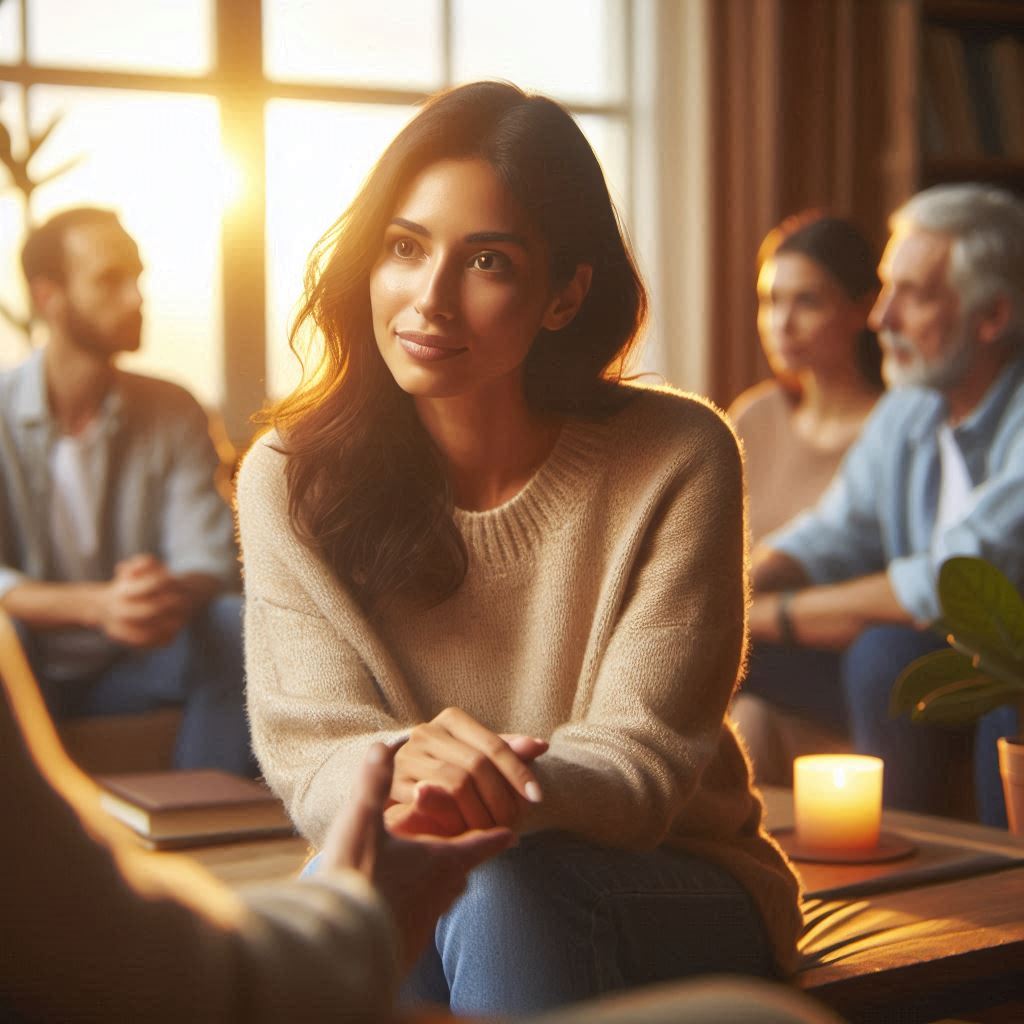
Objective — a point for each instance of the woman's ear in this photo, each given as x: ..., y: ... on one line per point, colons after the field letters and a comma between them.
x: 567, y: 300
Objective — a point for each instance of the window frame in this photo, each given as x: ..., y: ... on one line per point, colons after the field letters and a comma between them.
x: 237, y: 82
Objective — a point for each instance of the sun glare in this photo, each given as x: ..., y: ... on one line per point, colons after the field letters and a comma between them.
x: 148, y: 156
x: 158, y: 160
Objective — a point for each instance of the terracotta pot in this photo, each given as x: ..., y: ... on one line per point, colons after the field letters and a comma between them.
x: 1011, y: 768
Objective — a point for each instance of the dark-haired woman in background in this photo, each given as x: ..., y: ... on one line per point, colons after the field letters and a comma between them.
x: 466, y: 534
x: 816, y: 283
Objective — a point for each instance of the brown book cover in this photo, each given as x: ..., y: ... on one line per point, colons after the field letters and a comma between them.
x: 185, y: 807
x: 1008, y: 75
x: 947, y: 83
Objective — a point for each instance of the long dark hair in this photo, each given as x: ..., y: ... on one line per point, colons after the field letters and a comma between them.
x: 841, y: 250
x: 367, y: 489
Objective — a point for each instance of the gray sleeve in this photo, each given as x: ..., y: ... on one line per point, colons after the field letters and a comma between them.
x: 197, y: 533
x: 318, y: 950
x: 991, y: 528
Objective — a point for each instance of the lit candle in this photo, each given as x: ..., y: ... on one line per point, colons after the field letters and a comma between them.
x: 837, y: 801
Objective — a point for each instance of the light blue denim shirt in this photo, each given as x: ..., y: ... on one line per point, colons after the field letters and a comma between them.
x: 158, y: 487
x: 878, y: 514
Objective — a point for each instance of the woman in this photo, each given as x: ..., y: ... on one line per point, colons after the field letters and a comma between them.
x: 467, y: 534
x: 816, y: 283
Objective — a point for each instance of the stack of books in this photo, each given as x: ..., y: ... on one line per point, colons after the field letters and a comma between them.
x: 191, y: 808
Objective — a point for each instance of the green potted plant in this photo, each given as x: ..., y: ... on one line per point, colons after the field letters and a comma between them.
x: 983, y: 621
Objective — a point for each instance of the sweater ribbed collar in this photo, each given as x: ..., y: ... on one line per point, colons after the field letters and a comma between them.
x: 499, y: 537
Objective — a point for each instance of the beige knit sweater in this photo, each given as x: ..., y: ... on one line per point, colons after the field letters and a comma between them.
x: 603, y: 610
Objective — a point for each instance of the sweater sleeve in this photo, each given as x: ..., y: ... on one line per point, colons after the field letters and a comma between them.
x: 320, y: 689
x: 649, y: 720
x: 94, y: 928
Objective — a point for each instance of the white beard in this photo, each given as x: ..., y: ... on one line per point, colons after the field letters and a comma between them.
x: 913, y: 370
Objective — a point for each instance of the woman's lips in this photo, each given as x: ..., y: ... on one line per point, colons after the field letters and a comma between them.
x: 428, y: 347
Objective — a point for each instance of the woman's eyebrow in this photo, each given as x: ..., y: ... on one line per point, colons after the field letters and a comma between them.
x: 474, y: 239
x: 410, y: 225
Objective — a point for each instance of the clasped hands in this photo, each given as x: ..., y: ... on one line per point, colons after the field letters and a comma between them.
x: 144, y: 605
x: 454, y: 775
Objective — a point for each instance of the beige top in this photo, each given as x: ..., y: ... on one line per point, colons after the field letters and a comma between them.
x: 603, y: 610
x: 785, y: 474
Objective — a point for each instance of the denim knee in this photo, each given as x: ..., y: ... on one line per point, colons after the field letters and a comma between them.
x: 216, y: 640
x: 577, y: 920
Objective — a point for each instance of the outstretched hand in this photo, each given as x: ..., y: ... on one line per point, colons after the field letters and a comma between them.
x: 418, y: 878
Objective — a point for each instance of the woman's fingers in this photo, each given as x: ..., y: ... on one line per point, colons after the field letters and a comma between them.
x: 526, y: 748
x: 470, y: 775
x: 497, y: 751
x: 487, y: 775
x: 477, y: 795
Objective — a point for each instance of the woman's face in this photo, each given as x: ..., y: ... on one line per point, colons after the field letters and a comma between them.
x: 460, y: 287
x: 804, y: 317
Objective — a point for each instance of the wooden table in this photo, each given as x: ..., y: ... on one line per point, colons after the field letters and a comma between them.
x: 919, y: 952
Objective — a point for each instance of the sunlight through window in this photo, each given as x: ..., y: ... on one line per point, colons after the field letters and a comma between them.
x: 149, y: 157
x: 332, y: 85
x: 386, y: 42
x: 174, y: 38
x: 13, y: 343
x: 10, y: 33
x: 571, y: 50
x: 317, y: 156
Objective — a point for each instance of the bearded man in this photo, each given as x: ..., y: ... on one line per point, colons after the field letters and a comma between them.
x: 117, y: 552
x: 845, y: 592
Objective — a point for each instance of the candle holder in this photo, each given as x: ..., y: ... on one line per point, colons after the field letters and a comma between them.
x: 890, y: 846
x: 837, y: 805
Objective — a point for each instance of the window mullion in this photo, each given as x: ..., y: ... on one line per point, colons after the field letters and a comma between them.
x: 239, y: 56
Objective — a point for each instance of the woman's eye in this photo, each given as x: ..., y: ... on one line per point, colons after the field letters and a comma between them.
x: 491, y: 262
x: 405, y: 248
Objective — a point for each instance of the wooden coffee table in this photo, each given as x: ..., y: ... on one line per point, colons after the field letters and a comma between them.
x: 899, y: 947
x: 906, y: 947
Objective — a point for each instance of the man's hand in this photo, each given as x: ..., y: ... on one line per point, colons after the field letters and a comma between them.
x: 486, y: 775
x: 144, y: 605
x: 418, y: 878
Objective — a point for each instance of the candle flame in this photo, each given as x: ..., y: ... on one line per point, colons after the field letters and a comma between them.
x: 839, y: 778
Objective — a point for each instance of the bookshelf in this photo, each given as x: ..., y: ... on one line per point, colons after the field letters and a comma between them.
x: 970, y: 122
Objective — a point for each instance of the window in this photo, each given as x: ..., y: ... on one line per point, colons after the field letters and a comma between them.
x: 153, y: 123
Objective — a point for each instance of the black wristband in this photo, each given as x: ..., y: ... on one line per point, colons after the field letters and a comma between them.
x: 787, y: 637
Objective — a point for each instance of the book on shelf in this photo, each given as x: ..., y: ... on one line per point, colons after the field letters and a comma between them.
x: 1007, y: 59
x: 972, y: 103
x: 982, y: 93
x: 190, y: 808
x: 947, y: 83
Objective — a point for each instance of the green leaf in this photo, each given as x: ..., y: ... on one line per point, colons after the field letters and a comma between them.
x: 926, y: 674
x: 982, y: 608
x: 963, y: 702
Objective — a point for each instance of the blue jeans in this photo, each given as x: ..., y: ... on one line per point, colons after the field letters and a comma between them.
x: 557, y: 919
x: 850, y: 692
x: 202, y: 670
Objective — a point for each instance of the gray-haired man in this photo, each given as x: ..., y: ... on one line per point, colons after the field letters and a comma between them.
x: 938, y: 471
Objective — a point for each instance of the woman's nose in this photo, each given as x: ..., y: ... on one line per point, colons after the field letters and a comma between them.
x: 782, y: 318
x: 438, y: 298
